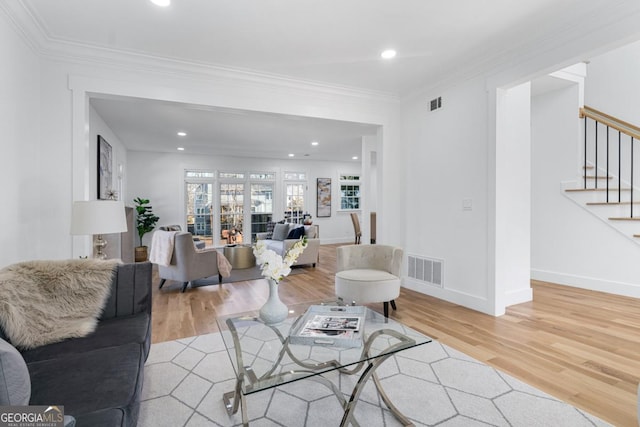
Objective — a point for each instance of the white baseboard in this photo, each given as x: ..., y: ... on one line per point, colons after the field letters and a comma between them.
x: 518, y: 297
x: 594, y: 284
x: 467, y: 300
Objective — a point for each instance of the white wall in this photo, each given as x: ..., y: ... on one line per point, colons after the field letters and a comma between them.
x: 468, y: 202
x: 160, y: 178
x: 453, y: 154
x: 66, y: 88
x: 612, y: 84
x: 447, y: 163
x: 569, y: 245
x: 20, y: 159
x: 97, y: 126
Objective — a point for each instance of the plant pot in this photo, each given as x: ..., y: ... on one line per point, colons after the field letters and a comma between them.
x: 141, y: 253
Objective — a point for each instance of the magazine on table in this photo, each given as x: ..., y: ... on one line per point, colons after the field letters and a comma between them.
x: 341, y: 326
x: 333, y: 326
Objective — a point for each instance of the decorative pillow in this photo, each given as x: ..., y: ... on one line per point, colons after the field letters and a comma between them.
x: 15, y: 383
x: 280, y: 232
x: 270, y: 227
x: 296, y: 233
x: 310, y: 231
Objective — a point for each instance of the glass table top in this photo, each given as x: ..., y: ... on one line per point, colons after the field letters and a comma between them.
x: 264, y: 356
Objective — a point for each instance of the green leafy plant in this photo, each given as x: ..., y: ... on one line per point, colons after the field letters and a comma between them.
x: 145, y: 219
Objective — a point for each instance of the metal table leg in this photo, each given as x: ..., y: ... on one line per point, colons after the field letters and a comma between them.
x: 234, y: 399
x: 349, y: 412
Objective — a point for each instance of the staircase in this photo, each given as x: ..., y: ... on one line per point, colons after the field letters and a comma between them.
x: 610, y: 161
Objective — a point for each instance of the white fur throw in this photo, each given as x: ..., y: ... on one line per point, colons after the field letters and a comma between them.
x: 43, y: 302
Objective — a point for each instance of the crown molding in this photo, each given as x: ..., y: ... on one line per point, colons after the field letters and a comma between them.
x: 33, y: 31
x: 19, y: 20
x: 592, y: 31
x: 187, y: 70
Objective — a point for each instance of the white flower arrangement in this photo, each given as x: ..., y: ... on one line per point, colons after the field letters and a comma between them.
x: 273, y: 266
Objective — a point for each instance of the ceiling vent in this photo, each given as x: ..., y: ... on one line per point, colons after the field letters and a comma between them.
x: 435, y: 104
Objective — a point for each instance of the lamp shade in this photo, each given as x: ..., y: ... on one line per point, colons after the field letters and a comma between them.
x: 98, y: 217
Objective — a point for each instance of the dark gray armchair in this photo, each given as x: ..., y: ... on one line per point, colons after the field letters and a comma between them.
x: 188, y: 264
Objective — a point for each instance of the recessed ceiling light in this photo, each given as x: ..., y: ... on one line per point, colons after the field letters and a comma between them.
x: 182, y: 134
x: 291, y: 154
x: 388, y: 54
x: 354, y: 158
x: 161, y: 3
x: 315, y: 143
x: 180, y: 148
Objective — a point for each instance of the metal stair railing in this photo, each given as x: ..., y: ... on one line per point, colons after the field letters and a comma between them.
x: 614, y: 125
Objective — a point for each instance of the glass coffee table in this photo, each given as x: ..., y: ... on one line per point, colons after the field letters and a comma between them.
x: 264, y: 356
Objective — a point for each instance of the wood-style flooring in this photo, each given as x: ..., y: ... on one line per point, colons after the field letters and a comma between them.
x: 580, y: 346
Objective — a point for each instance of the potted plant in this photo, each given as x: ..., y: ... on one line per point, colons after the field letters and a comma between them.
x: 145, y: 222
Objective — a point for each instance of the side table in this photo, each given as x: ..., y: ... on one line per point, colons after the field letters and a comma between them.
x: 239, y: 256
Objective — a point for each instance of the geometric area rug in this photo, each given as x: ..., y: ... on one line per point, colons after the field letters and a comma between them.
x: 431, y: 384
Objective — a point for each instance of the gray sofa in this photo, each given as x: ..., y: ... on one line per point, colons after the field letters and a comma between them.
x: 280, y: 244
x: 97, y: 378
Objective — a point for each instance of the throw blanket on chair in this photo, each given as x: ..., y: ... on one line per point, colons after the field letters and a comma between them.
x: 162, y: 247
x: 42, y: 302
x: 224, y: 266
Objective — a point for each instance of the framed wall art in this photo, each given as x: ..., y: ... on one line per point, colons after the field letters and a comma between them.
x: 105, y: 169
x: 323, y: 206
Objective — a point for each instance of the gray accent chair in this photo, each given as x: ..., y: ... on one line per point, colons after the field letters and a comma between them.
x: 97, y: 378
x: 196, y: 240
x: 368, y: 273
x: 187, y: 264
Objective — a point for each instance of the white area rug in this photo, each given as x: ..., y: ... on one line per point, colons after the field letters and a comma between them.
x: 431, y: 384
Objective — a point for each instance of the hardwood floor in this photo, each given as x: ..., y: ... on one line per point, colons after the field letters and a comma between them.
x: 580, y: 346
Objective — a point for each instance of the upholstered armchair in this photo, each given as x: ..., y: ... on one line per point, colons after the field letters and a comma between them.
x: 187, y: 264
x: 368, y: 273
x: 200, y: 244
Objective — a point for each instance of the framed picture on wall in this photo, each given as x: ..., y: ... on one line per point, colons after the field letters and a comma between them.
x: 105, y: 169
x: 323, y: 206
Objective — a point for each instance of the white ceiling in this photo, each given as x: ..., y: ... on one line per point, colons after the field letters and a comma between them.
x: 152, y: 126
x: 336, y: 42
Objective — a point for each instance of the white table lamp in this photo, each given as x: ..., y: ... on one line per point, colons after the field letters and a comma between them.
x: 98, y: 217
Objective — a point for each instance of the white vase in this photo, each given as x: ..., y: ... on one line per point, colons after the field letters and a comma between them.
x: 273, y: 311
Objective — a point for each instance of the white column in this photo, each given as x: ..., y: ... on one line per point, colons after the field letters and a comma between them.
x: 512, y: 245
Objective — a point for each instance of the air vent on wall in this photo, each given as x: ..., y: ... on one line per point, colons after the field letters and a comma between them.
x: 435, y: 104
x: 428, y: 270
